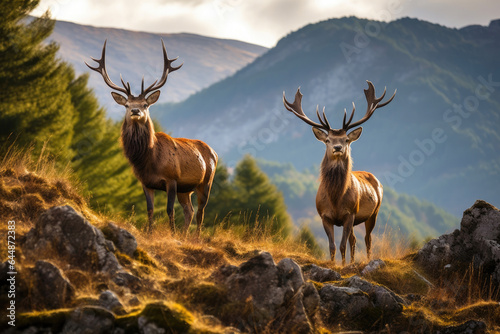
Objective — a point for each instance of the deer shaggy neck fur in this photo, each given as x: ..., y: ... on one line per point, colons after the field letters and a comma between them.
x: 138, y: 141
x: 336, y: 177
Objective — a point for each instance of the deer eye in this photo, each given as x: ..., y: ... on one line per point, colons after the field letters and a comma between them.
x: 327, y: 141
x: 145, y: 105
x: 127, y: 105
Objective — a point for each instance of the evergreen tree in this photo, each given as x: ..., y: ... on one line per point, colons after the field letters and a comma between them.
x: 306, y: 237
x: 36, y: 105
x: 259, y: 199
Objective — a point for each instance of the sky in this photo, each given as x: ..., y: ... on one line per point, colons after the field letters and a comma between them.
x: 261, y: 22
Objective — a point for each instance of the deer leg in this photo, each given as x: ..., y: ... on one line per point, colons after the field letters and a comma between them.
x: 171, y: 193
x: 352, y: 243
x: 185, y: 201
x: 331, y: 237
x: 202, y: 192
x: 346, y: 233
x: 369, y: 226
x: 150, y: 200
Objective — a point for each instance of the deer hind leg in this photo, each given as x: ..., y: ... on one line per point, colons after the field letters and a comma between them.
x: 346, y: 233
x: 150, y: 200
x: 369, y: 226
x: 187, y: 206
x: 171, y: 194
x: 202, y: 193
x: 328, y: 226
x: 352, y: 243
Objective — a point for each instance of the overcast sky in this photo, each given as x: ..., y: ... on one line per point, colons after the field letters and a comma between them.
x: 261, y: 22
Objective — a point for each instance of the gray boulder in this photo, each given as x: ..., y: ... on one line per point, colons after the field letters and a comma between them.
x: 109, y: 300
x: 281, y: 301
x: 62, y: 232
x: 373, y: 266
x: 52, y: 289
x: 320, y: 274
x: 89, y: 319
x: 359, y: 304
x: 477, y: 242
x: 123, y: 239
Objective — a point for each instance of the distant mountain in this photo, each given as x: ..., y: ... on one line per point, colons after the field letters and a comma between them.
x: 134, y: 54
x: 439, y: 139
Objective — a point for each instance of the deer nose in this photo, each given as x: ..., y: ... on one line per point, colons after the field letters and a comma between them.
x: 337, y: 148
x: 135, y: 111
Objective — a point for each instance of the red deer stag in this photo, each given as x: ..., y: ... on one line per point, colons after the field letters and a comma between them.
x: 178, y: 166
x: 345, y: 198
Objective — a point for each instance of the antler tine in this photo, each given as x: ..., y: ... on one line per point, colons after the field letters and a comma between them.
x: 101, y: 69
x: 296, y: 109
x: 167, y: 68
x: 373, y: 104
x: 324, y: 120
x: 344, y: 124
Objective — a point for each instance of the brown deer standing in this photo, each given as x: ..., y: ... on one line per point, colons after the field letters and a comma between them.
x: 345, y: 198
x: 178, y: 166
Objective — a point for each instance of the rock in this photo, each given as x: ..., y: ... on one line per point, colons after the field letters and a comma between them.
x: 280, y: 298
x: 344, y: 304
x: 109, y: 300
x: 63, y: 232
x: 89, y: 319
x: 372, y: 266
x: 359, y: 304
x: 320, y: 274
x: 381, y: 297
x: 52, y: 289
x: 477, y: 242
x: 123, y: 239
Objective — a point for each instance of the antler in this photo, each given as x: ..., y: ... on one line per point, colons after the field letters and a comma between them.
x: 167, y: 68
x: 373, y: 104
x: 102, y: 70
x: 296, y: 109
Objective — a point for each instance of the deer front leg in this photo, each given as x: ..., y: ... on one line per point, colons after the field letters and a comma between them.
x: 150, y: 199
x: 346, y: 233
x: 331, y: 237
x: 171, y: 194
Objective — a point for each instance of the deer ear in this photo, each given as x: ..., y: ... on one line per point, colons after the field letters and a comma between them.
x: 119, y: 98
x: 151, y: 99
x: 320, y: 134
x: 354, y: 135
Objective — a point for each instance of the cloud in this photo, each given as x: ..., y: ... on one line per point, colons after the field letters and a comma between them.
x: 259, y: 22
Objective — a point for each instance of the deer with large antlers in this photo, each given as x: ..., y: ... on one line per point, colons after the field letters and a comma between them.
x: 345, y: 198
x: 178, y: 166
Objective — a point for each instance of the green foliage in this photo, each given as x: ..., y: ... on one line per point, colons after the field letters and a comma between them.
x: 305, y: 236
x: 247, y: 199
x: 36, y: 104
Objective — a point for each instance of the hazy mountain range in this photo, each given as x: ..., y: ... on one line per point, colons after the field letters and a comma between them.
x: 135, y: 54
x: 438, y: 139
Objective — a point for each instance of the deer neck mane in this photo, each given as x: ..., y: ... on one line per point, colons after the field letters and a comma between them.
x: 138, y: 141
x: 336, y: 177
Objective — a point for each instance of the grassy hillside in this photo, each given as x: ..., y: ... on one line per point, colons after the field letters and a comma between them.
x: 437, y: 140
x: 178, y: 290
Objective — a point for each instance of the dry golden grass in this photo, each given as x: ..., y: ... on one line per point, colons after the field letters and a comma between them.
x: 176, y: 267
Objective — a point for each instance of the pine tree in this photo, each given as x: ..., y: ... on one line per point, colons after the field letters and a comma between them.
x: 262, y: 202
x: 36, y: 105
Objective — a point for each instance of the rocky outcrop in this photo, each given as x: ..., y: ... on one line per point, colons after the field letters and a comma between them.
x: 123, y: 239
x: 277, y: 295
x: 63, y: 233
x: 359, y: 304
x: 320, y: 274
x: 477, y: 242
x: 51, y: 288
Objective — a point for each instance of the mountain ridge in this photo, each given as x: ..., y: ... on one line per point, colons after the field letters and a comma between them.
x: 434, y: 69
x: 137, y: 53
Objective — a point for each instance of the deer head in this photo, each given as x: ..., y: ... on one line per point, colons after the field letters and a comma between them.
x: 137, y: 107
x: 338, y: 141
